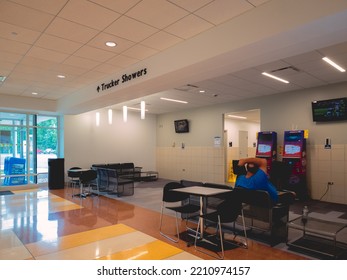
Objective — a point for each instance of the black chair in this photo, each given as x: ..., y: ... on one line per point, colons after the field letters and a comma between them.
x: 227, y: 212
x: 88, y: 179
x: 74, y: 178
x: 179, y: 203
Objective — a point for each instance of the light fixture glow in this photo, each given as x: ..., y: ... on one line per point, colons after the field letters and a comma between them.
x: 34, y: 93
x: 275, y: 77
x: 332, y: 63
x: 143, y: 109
x: 111, y: 44
x: 2, y: 78
x: 237, y: 117
x: 109, y: 116
x: 97, y: 118
x: 173, y: 100
x: 61, y: 76
x: 125, y: 113
x: 136, y: 109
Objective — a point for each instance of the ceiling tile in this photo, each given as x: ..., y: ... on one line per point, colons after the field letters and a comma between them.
x: 257, y: 2
x: 6, y: 68
x: 189, y: 26
x: 191, y: 6
x: 57, y: 44
x: 119, y: 6
x: 88, y: 14
x: 156, y: 13
x: 45, y: 54
x: 38, y: 63
x: 10, y: 57
x: 52, y: 7
x: 71, y: 31
x: 68, y: 69
x: 94, y: 54
x: 220, y: 11
x: 81, y: 62
x: 140, y: 52
x: 24, y: 17
x: 13, y: 47
x: 161, y: 40
x: 107, y: 68
x: 135, y: 31
x: 17, y: 33
x: 122, y: 61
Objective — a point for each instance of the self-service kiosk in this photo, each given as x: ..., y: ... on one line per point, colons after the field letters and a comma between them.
x: 294, y: 155
x: 267, y: 147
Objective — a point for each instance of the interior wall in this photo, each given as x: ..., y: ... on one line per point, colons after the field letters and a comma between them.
x: 280, y: 112
x: 131, y: 141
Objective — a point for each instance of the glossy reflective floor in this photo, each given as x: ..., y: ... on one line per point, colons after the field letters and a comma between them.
x: 51, y: 224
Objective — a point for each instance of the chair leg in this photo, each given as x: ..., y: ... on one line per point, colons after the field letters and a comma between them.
x: 161, y: 222
x: 244, y: 229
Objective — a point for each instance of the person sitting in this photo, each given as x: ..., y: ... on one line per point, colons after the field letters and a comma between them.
x: 256, y: 177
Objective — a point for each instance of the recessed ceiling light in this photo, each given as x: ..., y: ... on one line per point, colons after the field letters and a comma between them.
x: 332, y: 63
x: 201, y: 91
x: 110, y: 44
x: 61, y: 76
x: 34, y: 93
x: 275, y: 77
x: 173, y: 100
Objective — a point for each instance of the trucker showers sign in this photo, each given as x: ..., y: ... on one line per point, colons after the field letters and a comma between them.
x: 123, y: 79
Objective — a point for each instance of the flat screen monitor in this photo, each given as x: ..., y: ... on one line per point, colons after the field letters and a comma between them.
x: 181, y: 126
x: 264, y: 149
x: 329, y: 110
x: 291, y: 150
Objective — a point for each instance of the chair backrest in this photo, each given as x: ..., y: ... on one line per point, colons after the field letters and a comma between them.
x: 257, y: 198
x: 188, y: 183
x: 217, y: 186
x: 88, y: 176
x: 171, y: 196
x: 231, y: 207
x: 73, y: 174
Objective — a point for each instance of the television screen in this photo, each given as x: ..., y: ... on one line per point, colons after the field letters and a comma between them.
x: 181, y: 126
x: 329, y: 110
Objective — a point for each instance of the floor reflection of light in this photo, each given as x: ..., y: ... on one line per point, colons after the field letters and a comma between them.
x: 138, y: 255
x: 31, y: 211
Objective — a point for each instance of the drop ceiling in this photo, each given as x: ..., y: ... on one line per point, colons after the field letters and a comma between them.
x: 40, y: 40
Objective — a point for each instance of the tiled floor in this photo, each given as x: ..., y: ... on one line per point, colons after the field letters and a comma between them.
x: 30, y: 227
x: 50, y: 224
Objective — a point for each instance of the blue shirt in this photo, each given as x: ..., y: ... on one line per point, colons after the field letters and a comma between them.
x: 259, y: 181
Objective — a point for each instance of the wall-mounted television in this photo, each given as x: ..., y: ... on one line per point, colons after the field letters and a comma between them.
x: 329, y: 110
x: 181, y: 126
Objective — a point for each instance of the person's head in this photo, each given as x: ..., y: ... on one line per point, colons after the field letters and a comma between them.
x: 252, y: 168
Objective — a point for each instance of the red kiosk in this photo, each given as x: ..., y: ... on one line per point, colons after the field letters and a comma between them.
x: 294, y: 154
x: 267, y: 147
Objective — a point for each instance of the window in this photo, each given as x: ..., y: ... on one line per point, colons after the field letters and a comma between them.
x: 27, y: 141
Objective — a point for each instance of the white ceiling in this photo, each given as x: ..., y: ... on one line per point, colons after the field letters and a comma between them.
x: 41, y: 39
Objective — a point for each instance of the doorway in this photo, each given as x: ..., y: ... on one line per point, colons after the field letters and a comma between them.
x: 241, y: 130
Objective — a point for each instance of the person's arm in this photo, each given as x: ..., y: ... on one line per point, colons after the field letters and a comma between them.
x: 261, y: 162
